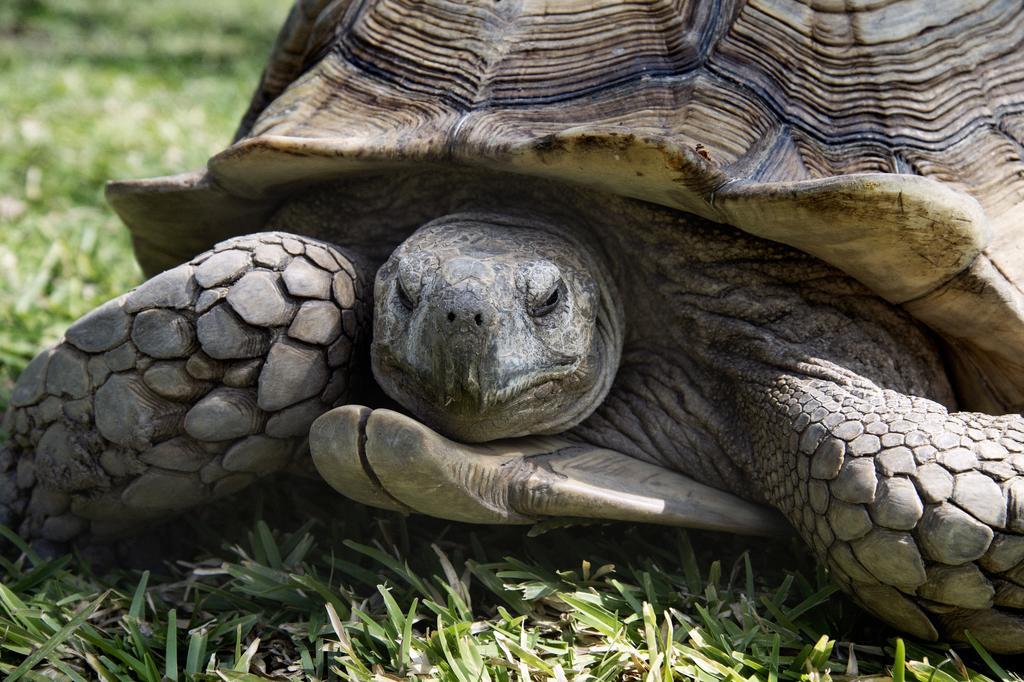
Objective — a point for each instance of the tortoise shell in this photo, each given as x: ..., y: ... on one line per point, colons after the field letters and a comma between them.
x: 884, y: 137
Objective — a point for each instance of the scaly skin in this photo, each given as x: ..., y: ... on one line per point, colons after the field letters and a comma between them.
x: 918, y: 512
x: 185, y: 390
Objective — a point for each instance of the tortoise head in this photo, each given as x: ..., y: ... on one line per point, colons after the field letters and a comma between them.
x: 487, y: 327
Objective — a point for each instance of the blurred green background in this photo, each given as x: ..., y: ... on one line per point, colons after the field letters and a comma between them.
x: 93, y: 90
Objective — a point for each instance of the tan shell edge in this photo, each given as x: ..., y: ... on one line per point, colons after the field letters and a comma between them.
x: 908, y: 238
x: 176, y: 217
x: 901, y: 235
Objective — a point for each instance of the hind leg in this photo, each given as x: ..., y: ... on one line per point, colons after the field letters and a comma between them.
x: 182, y: 391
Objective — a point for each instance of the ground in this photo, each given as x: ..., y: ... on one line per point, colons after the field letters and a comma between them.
x: 297, y: 584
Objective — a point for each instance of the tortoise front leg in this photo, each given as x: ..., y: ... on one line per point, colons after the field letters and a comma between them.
x: 389, y: 460
x: 919, y: 513
x: 184, y: 390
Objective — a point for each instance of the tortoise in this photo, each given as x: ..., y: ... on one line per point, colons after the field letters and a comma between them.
x: 751, y: 267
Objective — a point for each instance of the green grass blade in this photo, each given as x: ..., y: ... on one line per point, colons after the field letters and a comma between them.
x: 171, y: 647
x: 399, y: 568
x: 403, y: 654
x: 22, y: 546
x: 56, y: 640
x: 67, y: 671
x: 139, y: 598
x: 899, y: 663
x: 268, y: 544
x: 195, y: 658
x: 983, y: 653
x: 491, y: 581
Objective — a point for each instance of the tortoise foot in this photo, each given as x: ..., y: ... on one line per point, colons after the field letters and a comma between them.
x: 390, y: 460
x: 182, y: 391
x: 918, y: 512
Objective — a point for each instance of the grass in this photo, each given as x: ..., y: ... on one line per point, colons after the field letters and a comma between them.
x: 95, y: 90
x: 375, y: 597
x: 297, y: 584
x: 378, y: 596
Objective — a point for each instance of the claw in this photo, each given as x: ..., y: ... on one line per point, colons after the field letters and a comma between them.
x: 340, y: 457
x: 389, y: 460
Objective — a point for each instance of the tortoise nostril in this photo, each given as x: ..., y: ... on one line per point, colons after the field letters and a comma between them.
x: 451, y: 317
x: 479, y: 319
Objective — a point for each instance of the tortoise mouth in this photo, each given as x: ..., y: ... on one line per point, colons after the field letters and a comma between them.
x: 473, y: 414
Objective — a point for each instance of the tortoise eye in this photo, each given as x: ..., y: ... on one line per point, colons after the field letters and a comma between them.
x: 412, y: 272
x: 550, y: 303
x: 403, y: 296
